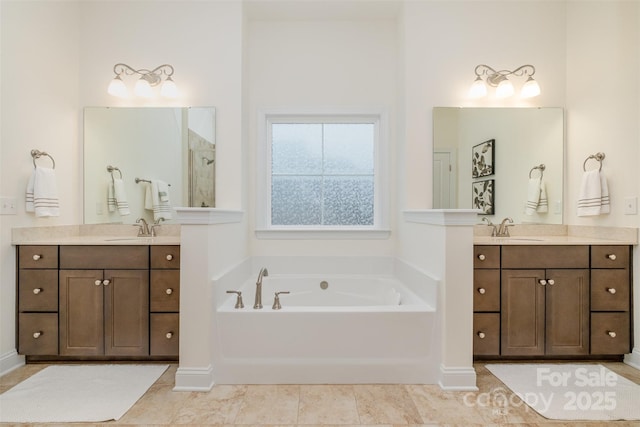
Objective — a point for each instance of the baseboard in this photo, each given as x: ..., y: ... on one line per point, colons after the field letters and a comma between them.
x: 194, y: 379
x: 633, y: 358
x: 457, y: 379
x: 10, y: 361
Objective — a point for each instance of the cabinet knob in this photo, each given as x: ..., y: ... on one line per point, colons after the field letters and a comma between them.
x: 482, y: 257
x: 611, y: 334
x: 542, y: 282
x: 169, y: 291
x: 106, y: 282
x: 551, y: 282
x: 169, y: 257
x: 612, y: 257
x: 169, y: 335
x: 481, y: 335
x: 482, y: 291
x: 37, y: 335
x: 36, y: 257
x: 611, y: 290
x: 37, y: 291
x: 98, y: 282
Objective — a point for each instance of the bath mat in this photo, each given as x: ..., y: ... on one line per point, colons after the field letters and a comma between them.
x: 571, y: 391
x: 78, y: 393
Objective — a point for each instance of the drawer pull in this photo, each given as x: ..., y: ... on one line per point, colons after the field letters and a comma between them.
x: 106, y: 282
x: 169, y: 257
x: 551, y: 282
x: 482, y: 291
x: 98, y: 282
x: 481, y: 335
x: 169, y: 291
x: 611, y: 290
x: 542, y: 282
x: 36, y: 257
x: 37, y: 335
x: 169, y: 335
x: 37, y: 291
x: 612, y: 257
x: 611, y: 334
x: 482, y: 257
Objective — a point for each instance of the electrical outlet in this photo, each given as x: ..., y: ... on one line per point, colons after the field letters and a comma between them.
x: 7, y: 206
x: 630, y: 205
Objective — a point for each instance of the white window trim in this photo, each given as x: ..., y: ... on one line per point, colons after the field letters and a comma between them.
x: 380, y: 228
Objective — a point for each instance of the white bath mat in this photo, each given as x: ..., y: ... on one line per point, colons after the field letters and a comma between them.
x: 571, y: 391
x: 78, y: 393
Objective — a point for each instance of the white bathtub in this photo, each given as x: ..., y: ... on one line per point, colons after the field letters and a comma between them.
x: 361, y: 329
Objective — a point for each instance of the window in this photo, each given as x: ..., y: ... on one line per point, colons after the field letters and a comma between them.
x: 322, y: 172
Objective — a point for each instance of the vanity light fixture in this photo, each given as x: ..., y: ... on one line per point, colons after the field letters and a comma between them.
x: 499, y: 80
x: 144, y: 85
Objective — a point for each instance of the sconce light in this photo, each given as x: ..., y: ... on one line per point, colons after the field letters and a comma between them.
x: 499, y: 80
x: 148, y: 79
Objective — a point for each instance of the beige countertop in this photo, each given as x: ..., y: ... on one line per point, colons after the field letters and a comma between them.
x: 105, y: 234
x: 547, y: 240
x: 558, y: 235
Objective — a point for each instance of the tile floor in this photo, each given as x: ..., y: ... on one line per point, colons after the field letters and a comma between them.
x: 344, y: 405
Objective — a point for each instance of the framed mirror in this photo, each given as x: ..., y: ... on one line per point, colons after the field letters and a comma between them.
x: 489, y: 159
x: 143, y: 162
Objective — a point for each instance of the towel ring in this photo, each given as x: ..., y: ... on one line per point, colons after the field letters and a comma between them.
x: 598, y: 156
x: 541, y: 167
x: 36, y: 154
x: 111, y: 169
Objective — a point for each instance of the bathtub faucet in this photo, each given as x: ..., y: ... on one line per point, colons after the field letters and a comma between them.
x: 263, y: 272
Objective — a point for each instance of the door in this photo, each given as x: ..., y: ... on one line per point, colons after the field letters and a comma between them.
x: 523, y: 313
x: 444, y: 196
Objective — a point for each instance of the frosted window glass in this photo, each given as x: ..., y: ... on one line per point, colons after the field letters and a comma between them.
x: 348, y: 148
x: 348, y: 201
x: 296, y: 200
x: 296, y: 148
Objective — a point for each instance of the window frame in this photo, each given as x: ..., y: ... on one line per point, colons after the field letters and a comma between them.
x: 380, y: 227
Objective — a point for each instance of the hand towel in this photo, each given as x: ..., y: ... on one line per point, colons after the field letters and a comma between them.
x: 543, y: 204
x: 111, y: 197
x: 161, y: 208
x: 594, y: 194
x: 148, y: 199
x: 121, y: 197
x: 42, y: 193
x: 533, y: 196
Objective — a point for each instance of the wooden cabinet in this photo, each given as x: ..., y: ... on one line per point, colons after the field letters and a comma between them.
x: 552, y: 301
x: 97, y: 302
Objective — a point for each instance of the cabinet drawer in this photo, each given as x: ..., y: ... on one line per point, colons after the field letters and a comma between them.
x: 609, y: 256
x: 610, y: 290
x: 486, y: 334
x: 38, y: 333
x: 486, y: 290
x: 38, y: 290
x: 102, y: 257
x: 37, y: 256
x: 165, y: 256
x: 486, y: 256
x: 165, y: 329
x: 568, y: 256
x: 610, y: 333
x: 165, y: 290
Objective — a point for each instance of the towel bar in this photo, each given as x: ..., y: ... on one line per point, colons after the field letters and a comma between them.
x: 36, y: 154
x: 111, y: 169
x: 540, y: 167
x: 598, y: 156
x: 139, y: 180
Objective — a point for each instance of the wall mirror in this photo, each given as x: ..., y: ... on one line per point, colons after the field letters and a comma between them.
x: 147, y: 148
x: 508, y: 145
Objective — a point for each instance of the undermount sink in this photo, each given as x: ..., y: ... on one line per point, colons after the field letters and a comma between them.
x: 524, y: 239
x: 125, y: 239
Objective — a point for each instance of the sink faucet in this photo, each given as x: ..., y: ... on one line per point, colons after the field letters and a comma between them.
x: 144, y: 228
x: 494, y: 231
x: 258, y: 302
x: 503, y: 230
x: 156, y: 223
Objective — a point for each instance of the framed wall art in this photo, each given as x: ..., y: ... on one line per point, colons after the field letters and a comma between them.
x: 482, y: 193
x: 482, y: 159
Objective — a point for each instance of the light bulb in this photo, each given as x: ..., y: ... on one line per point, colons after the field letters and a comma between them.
x: 530, y: 88
x: 118, y: 88
x: 478, y: 88
x: 143, y: 88
x: 504, y: 89
x: 169, y: 88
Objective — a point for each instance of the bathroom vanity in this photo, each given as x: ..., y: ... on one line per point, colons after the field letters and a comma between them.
x: 552, y: 297
x: 98, y: 298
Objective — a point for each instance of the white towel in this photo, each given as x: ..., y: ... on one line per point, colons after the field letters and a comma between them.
x: 543, y: 204
x: 533, y: 196
x: 111, y: 197
x: 153, y: 198
x: 121, y: 197
x: 42, y: 193
x: 594, y: 194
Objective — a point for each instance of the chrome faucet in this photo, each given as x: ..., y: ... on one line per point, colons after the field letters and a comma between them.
x: 144, y: 228
x: 258, y: 301
x: 503, y: 230
x: 494, y: 230
x: 156, y: 223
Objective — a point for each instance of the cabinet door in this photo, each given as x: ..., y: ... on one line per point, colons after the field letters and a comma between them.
x: 523, y: 310
x: 81, y: 313
x: 567, y: 312
x: 126, y: 313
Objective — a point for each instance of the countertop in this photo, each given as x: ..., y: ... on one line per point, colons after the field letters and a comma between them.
x: 547, y: 240
x: 106, y: 234
x: 522, y: 234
